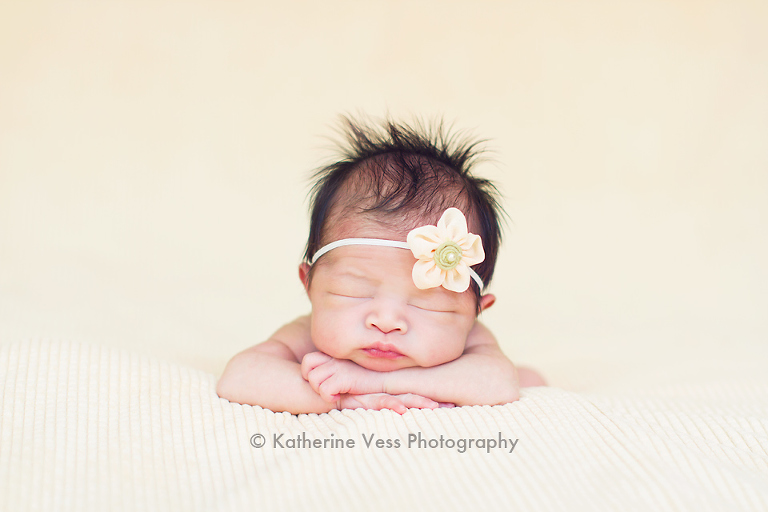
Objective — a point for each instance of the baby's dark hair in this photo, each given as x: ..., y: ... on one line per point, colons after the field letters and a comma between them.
x: 405, y: 174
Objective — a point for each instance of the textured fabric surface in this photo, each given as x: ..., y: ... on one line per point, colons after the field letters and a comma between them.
x: 86, y: 427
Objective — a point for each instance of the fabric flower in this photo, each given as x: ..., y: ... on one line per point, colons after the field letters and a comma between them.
x: 445, y: 252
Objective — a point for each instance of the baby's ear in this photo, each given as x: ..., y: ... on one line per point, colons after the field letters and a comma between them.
x: 304, y: 275
x: 487, y: 301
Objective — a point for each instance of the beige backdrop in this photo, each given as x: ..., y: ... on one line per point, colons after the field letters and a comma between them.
x: 154, y: 159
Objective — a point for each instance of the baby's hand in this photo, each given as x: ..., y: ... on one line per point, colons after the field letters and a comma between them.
x: 331, y: 378
x: 378, y: 401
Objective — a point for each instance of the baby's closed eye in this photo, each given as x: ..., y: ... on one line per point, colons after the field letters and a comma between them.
x: 349, y: 295
x: 351, y: 291
x: 433, y: 308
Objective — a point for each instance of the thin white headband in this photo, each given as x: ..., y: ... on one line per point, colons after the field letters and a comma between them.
x: 380, y: 242
x: 444, y: 252
x: 359, y: 241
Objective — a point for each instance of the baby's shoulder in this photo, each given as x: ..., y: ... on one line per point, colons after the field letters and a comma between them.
x: 480, y: 335
x: 297, y: 336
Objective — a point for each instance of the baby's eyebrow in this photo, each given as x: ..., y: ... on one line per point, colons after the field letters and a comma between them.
x: 346, y: 272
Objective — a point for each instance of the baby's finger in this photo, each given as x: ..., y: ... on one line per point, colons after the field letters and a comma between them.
x: 311, y: 361
x: 350, y: 402
x: 317, y: 376
x: 390, y: 402
x: 413, y: 401
x: 331, y: 387
x: 375, y: 401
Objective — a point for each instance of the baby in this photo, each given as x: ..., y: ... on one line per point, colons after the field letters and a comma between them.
x: 402, y: 245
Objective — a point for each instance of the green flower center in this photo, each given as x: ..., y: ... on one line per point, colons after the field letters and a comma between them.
x: 448, y: 255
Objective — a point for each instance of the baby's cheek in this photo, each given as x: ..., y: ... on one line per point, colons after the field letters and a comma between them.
x: 456, y: 340
x: 454, y: 350
x: 327, y: 336
x: 322, y: 340
x: 444, y: 347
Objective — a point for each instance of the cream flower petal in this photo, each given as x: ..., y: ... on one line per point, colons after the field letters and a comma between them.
x: 423, y: 241
x: 426, y: 275
x: 472, y: 245
x: 452, y: 225
x: 457, y: 280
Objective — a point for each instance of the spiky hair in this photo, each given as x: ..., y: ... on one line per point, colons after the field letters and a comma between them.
x: 405, y: 171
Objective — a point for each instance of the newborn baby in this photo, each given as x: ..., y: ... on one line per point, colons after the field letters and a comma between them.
x: 402, y: 245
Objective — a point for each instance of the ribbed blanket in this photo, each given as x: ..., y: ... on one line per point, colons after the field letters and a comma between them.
x: 86, y: 427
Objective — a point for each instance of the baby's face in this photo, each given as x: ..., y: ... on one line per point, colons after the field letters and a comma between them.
x: 365, y: 308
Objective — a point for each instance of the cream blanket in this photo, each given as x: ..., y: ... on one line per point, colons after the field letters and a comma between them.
x: 86, y: 427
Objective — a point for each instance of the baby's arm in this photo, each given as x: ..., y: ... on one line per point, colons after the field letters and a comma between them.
x: 269, y: 375
x: 482, y: 375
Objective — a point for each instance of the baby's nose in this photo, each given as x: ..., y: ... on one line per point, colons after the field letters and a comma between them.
x: 387, y: 318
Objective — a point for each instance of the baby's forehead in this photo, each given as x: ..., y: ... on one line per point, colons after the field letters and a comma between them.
x: 366, y: 261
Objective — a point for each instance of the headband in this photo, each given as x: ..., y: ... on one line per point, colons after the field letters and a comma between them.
x: 444, y: 252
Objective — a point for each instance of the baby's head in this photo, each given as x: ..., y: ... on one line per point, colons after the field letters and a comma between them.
x: 391, y: 180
